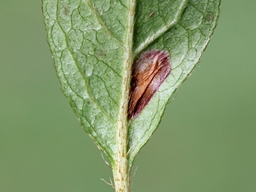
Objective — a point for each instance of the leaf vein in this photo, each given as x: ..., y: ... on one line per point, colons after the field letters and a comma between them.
x: 97, y: 16
x: 82, y: 74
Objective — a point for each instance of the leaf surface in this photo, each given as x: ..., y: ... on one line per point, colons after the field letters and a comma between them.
x: 90, y: 43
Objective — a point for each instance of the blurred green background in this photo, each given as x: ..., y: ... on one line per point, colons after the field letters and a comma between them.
x: 206, y: 141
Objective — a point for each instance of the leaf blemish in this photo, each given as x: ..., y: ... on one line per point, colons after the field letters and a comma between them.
x: 148, y: 73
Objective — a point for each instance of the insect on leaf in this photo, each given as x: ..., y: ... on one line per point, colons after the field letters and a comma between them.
x: 149, y: 71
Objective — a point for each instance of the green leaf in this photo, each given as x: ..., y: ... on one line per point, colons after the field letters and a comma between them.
x: 94, y: 44
x: 185, y: 42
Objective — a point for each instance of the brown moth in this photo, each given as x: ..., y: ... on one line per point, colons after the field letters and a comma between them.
x: 148, y: 73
